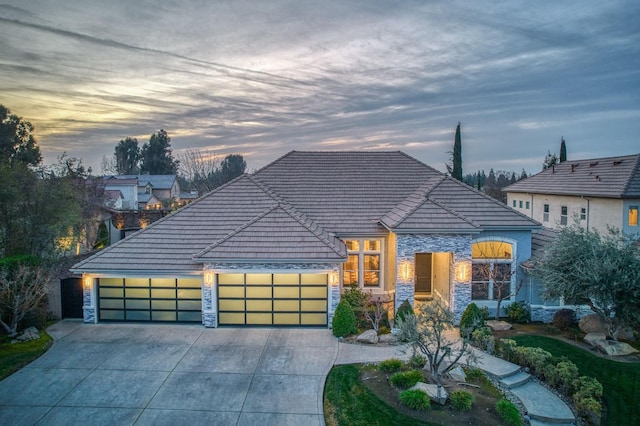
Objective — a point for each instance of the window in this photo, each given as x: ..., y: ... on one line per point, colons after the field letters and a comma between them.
x: 583, y: 214
x: 520, y: 204
x: 563, y: 215
x: 363, y: 263
x: 491, y: 270
x: 527, y: 205
x: 514, y: 203
x: 545, y: 216
x: 633, y: 216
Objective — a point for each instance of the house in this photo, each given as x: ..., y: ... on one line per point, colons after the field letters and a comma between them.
x: 594, y: 193
x: 128, y: 189
x: 276, y: 247
x: 145, y: 192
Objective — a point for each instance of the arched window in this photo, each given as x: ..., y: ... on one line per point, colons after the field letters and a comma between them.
x: 492, y: 270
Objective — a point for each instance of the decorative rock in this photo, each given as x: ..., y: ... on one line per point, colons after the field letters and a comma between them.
x: 498, y: 325
x: 437, y: 394
x: 592, y: 338
x: 592, y: 324
x: 626, y: 333
x: 369, y: 336
x: 389, y: 339
x: 609, y: 347
x: 30, y: 333
x: 457, y: 374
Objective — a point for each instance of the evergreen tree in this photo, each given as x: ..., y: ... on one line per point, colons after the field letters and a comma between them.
x: 563, y: 150
x: 523, y: 175
x: 156, y: 155
x: 127, y: 155
x: 456, y: 169
x: 17, y: 144
x: 550, y: 160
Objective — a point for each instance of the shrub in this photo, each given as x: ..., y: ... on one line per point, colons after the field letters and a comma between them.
x: 358, y: 300
x: 562, y: 376
x: 564, y: 319
x: 344, y: 321
x: 588, y: 407
x: 473, y: 373
x: 509, y: 413
x: 404, y: 310
x: 518, y: 312
x: 483, y: 339
x: 415, y: 399
x: 390, y: 365
x: 588, y: 385
x: 506, y: 349
x: 471, y: 319
x: 417, y: 361
x: 461, y: 400
x: 534, y: 358
x: 406, y: 379
x: 383, y: 329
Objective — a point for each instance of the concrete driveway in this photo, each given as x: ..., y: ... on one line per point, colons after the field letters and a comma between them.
x: 151, y: 374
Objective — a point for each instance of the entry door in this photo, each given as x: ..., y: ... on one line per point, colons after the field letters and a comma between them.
x: 424, y: 272
x: 71, y: 297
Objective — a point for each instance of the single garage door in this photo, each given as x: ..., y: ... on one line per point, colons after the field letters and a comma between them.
x: 150, y: 299
x: 272, y: 299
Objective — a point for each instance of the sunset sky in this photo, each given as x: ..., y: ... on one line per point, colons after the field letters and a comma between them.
x: 261, y: 78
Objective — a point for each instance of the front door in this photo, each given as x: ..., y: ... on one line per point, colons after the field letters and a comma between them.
x: 424, y: 272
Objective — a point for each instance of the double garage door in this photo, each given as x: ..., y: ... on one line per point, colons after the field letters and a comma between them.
x: 243, y: 299
x: 155, y: 299
x: 272, y: 299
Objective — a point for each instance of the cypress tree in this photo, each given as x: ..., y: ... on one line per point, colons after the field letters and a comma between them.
x: 457, y: 156
x: 563, y: 150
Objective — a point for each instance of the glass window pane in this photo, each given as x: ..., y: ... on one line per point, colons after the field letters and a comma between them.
x: 163, y: 282
x: 313, y: 319
x: 230, y: 278
x: 190, y: 316
x: 258, y: 319
x: 372, y: 245
x: 480, y: 291
x: 286, y: 279
x: 314, y: 305
x: 190, y: 282
x: 231, y: 318
x: 137, y: 292
x: 633, y: 216
x: 190, y: 305
x: 291, y: 319
x: 163, y: 294
x: 259, y: 279
x: 231, y: 305
x: 136, y: 282
x: 163, y: 316
x: 112, y: 303
x: 137, y: 315
x: 163, y: 304
x: 286, y: 292
x: 137, y: 304
x: 372, y: 262
x: 371, y: 279
x: 313, y: 279
x: 491, y: 250
x: 231, y: 292
x: 111, y: 292
x: 112, y: 315
x: 314, y: 292
x: 352, y: 245
x: 259, y: 292
x: 286, y: 305
x: 195, y: 294
x: 502, y: 272
x: 259, y: 305
x: 350, y: 278
x: 112, y: 282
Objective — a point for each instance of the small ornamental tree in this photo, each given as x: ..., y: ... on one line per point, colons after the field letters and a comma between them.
x: 21, y: 291
x: 344, y: 321
x: 600, y: 270
x: 427, y: 332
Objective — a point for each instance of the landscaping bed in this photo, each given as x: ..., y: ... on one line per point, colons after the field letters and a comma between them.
x: 14, y: 356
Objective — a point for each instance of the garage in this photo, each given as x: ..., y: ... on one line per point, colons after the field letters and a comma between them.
x: 272, y: 299
x: 150, y: 299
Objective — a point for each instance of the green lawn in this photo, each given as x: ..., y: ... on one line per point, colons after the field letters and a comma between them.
x: 15, y: 356
x: 347, y: 402
x: 620, y: 380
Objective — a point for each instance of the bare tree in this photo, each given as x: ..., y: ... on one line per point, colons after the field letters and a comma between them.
x: 21, y: 292
x: 431, y: 332
x: 200, y: 168
x: 374, y: 311
x: 109, y: 165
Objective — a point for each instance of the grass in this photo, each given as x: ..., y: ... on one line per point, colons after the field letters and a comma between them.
x: 15, y: 356
x: 620, y: 380
x: 347, y: 402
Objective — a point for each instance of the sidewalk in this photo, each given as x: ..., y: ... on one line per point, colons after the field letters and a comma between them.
x: 542, y: 405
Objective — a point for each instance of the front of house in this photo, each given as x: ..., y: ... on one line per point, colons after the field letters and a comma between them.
x: 277, y: 247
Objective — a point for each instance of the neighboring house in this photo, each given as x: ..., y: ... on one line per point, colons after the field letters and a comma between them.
x: 128, y: 189
x: 148, y: 201
x: 594, y: 193
x: 113, y: 199
x: 277, y: 247
x: 145, y: 192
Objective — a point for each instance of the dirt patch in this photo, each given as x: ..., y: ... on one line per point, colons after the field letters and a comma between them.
x: 483, y: 412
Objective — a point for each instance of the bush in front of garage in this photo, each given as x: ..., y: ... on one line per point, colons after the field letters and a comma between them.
x: 344, y: 320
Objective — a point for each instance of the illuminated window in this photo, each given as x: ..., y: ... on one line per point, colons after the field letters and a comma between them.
x: 633, y: 216
x: 492, y: 270
x: 363, y: 266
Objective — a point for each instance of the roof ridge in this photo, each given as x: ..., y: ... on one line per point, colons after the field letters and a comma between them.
x: 453, y: 212
x: 421, y: 191
x: 634, y: 170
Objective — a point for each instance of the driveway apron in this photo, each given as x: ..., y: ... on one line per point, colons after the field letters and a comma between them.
x: 150, y: 374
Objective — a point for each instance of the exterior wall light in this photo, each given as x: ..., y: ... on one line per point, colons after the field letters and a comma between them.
x: 208, y: 278
x: 406, y: 270
x: 463, y: 272
x: 87, y: 281
x: 333, y: 278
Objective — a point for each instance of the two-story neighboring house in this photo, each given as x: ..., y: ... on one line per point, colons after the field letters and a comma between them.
x: 594, y: 193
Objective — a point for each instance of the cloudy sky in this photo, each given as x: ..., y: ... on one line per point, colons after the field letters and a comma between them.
x: 261, y: 78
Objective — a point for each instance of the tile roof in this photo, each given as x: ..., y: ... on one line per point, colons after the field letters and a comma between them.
x: 297, y: 206
x: 157, y: 181
x: 540, y: 240
x: 611, y: 177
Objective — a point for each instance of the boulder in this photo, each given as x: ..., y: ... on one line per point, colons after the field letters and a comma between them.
x: 609, y: 347
x: 457, y: 374
x: 30, y: 333
x: 437, y: 394
x: 592, y: 324
x: 388, y: 339
x: 369, y: 336
x: 498, y: 325
x: 626, y: 333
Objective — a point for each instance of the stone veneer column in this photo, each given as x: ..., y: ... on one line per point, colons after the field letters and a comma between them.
x: 88, y: 302
x: 209, y: 307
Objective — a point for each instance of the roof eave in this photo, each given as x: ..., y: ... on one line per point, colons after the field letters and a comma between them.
x: 436, y: 231
x: 284, y: 260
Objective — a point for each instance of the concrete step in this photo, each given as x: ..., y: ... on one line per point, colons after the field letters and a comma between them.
x: 539, y: 423
x: 515, y: 380
x: 543, y: 405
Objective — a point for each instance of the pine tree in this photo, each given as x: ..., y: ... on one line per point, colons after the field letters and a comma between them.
x: 156, y: 155
x: 563, y: 150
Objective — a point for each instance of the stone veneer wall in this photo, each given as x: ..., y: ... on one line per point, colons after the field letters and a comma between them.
x: 209, y: 307
x: 88, y: 307
x: 409, y: 244
x: 545, y: 313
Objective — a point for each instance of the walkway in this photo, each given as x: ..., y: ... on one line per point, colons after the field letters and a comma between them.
x: 542, y: 405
